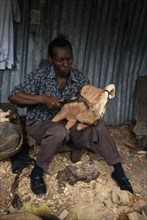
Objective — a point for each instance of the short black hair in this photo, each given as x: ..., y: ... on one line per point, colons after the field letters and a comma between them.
x: 60, y: 41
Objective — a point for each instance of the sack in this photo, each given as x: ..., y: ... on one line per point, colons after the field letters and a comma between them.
x: 11, y: 135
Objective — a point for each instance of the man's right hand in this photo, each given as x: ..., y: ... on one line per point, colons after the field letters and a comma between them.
x: 52, y: 102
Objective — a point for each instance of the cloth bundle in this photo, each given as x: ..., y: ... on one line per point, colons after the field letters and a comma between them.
x: 11, y: 137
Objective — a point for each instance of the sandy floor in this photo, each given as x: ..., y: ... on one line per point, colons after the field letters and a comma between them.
x: 83, y: 201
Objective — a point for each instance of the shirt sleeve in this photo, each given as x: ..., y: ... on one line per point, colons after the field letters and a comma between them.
x: 30, y: 85
x: 83, y: 80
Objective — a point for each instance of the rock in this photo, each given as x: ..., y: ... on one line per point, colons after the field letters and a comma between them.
x: 138, y: 205
x: 100, y: 206
x: 123, y: 216
x: 93, y: 184
x: 63, y: 214
x: 145, y: 210
x: 120, y: 197
x: 72, y: 175
x: 22, y: 216
x: 135, y: 216
x: 102, y: 178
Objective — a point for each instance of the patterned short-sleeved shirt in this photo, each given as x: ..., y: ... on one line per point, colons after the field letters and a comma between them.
x: 42, y: 81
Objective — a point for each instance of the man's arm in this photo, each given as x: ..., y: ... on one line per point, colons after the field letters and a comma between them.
x: 21, y: 98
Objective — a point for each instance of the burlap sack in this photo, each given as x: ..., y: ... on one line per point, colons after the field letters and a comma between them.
x: 11, y: 135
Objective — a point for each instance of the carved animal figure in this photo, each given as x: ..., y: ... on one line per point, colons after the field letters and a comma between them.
x: 89, y: 109
x: 4, y: 116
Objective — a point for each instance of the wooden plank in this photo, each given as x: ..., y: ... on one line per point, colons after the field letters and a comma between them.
x: 140, y: 128
x: 142, y: 100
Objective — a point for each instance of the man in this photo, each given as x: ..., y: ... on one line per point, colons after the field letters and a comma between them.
x: 42, y: 92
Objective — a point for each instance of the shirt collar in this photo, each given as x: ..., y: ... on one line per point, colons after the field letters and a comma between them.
x: 71, y: 76
x: 52, y: 72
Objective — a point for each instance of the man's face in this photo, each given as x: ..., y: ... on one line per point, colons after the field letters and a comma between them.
x: 62, y: 60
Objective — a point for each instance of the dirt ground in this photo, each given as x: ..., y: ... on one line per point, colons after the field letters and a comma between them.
x: 96, y: 199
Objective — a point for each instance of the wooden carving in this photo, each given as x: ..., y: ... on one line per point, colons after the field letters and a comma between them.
x: 4, y: 116
x: 89, y: 109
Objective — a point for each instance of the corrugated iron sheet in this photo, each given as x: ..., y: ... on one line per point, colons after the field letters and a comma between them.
x: 109, y: 39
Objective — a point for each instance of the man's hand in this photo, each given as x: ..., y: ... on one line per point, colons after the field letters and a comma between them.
x: 52, y: 102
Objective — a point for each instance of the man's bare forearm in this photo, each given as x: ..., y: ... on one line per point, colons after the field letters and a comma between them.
x: 26, y: 99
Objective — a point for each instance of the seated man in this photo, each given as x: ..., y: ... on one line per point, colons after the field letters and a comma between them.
x: 41, y: 92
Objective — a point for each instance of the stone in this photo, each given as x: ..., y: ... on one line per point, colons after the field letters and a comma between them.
x: 138, y: 205
x: 22, y: 216
x: 135, y: 216
x: 63, y: 214
x: 145, y: 210
x: 120, y: 197
x: 72, y: 175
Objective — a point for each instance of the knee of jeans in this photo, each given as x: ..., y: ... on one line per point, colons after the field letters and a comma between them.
x: 58, y: 131
x: 62, y: 133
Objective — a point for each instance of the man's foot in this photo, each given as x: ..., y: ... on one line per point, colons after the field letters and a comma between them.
x: 123, y: 182
x: 37, y: 185
x: 75, y: 156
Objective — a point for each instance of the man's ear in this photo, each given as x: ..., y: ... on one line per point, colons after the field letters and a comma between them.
x: 50, y: 60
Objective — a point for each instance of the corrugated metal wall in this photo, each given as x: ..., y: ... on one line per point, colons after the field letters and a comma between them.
x: 109, y: 39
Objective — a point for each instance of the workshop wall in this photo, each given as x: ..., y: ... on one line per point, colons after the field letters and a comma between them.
x: 109, y: 39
